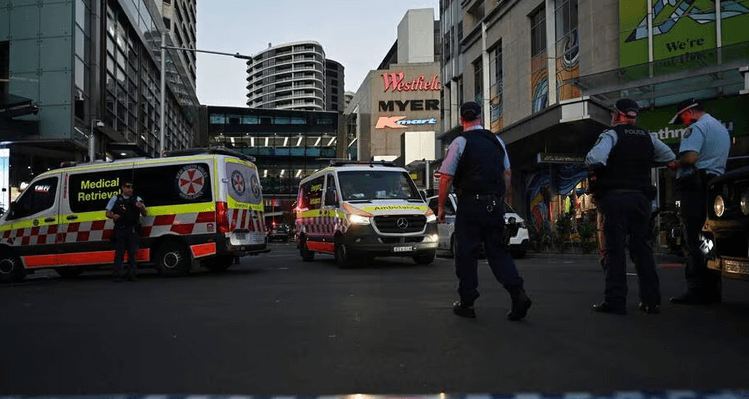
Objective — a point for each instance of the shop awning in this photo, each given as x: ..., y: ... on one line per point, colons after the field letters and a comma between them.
x: 570, y: 127
x: 12, y: 106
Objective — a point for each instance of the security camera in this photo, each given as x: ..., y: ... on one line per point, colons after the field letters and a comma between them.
x: 100, y: 124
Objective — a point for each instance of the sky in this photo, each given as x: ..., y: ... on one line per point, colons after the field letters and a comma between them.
x: 356, y: 33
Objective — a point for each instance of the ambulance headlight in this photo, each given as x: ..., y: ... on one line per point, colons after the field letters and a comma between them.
x: 745, y: 202
x: 719, y: 206
x: 357, y: 219
x: 431, y: 218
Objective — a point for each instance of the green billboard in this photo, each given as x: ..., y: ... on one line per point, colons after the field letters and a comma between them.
x: 679, y: 27
x: 729, y: 111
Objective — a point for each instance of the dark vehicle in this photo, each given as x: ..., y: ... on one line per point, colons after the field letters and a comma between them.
x: 280, y: 232
x: 725, y: 237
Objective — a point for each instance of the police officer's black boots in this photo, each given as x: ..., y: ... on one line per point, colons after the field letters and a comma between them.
x: 520, y: 303
x: 463, y: 309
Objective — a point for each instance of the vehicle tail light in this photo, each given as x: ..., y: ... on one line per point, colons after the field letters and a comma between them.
x: 222, y: 217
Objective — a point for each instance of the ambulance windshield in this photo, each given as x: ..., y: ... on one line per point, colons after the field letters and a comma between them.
x: 377, y: 185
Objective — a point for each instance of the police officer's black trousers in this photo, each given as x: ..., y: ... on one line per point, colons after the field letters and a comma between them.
x: 126, y: 240
x: 474, y: 225
x: 627, y: 214
x: 701, y: 281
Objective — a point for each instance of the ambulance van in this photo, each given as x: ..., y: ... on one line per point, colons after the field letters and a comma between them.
x: 204, y: 207
x: 357, y: 211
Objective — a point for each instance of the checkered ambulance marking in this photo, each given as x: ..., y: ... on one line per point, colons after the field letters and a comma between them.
x: 326, y: 225
x: 246, y: 219
x: 102, y: 230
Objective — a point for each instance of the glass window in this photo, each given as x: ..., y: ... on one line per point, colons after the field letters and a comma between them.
x: 298, y: 121
x: 250, y: 120
x: 80, y: 74
x: 281, y: 120
x: 218, y: 119
x: 538, y: 31
x: 478, y: 81
x: 368, y: 185
x: 311, y: 194
x: 91, y: 191
x: 331, y: 194
x: 36, y: 198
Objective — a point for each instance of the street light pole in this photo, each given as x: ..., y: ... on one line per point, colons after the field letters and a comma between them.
x: 162, y: 133
x: 162, y: 105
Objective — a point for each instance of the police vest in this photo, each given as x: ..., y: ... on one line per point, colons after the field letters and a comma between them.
x: 630, y: 161
x: 129, y: 213
x: 482, y: 165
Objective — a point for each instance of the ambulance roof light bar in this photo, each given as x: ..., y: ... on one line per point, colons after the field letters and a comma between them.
x: 345, y: 162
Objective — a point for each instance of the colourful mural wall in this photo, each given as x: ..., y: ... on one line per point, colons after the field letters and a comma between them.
x: 679, y: 27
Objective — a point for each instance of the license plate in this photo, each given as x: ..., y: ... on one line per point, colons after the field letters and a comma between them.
x: 403, y: 249
x: 240, y: 236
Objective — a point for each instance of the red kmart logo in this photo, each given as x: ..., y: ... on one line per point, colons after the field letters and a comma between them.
x: 400, y: 122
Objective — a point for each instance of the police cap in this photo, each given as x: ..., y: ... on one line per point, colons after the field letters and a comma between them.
x: 683, y: 106
x: 470, y: 110
x: 628, y: 107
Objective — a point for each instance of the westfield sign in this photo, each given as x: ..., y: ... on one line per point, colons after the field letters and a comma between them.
x: 396, y: 81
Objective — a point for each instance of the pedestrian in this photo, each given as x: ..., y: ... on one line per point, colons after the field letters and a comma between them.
x: 703, y: 155
x: 622, y: 159
x: 125, y: 209
x: 477, y: 165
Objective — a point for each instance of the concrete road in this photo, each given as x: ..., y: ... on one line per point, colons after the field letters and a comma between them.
x: 275, y: 325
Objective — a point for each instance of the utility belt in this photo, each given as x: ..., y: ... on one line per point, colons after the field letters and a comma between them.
x: 696, y: 181
x: 493, y: 201
x: 478, y: 196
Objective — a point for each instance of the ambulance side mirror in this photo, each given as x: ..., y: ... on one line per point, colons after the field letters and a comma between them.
x: 331, y: 199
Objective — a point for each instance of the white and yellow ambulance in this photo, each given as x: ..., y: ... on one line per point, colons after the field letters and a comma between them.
x: 358, y: 211
x: 204, y: 207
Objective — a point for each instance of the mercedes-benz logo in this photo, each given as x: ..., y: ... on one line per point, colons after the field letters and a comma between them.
x: 402, y: 223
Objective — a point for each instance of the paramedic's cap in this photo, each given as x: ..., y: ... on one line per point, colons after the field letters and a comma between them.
x: 683, y: 106
x: 628, y: 107
x: 470, y: 110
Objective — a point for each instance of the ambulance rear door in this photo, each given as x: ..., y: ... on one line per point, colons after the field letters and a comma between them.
x: 244, y: 201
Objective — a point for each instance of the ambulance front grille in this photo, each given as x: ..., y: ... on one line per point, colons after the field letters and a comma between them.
x: 399, y: 224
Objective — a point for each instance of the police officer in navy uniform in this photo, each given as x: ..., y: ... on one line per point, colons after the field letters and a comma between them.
x: 125, y: 210
x: 621, y: 160
x: 704, y: 153
x: 477, y: 165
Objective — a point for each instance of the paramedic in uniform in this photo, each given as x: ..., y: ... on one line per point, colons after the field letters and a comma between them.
x: 477, y: 164
x: 622, y: 159
x: 125, y: 210
x: 704, y: 153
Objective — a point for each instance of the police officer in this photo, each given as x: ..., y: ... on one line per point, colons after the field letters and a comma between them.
x: 621, y: 159
x: 125, y: 210
x: 478, y: 166
x: 704, y: 152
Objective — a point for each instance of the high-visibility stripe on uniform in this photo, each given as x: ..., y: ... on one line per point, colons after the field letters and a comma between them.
x: 80, y: 258
x: 201, y: 250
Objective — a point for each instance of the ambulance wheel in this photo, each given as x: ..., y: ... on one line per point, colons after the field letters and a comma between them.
x: 425, y: 258
x: 173, y: 259
x: 69, y: 272
x: 342, y: 256
x: 307, y: 255
x: 219, y: 263
x: 11, y: 268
